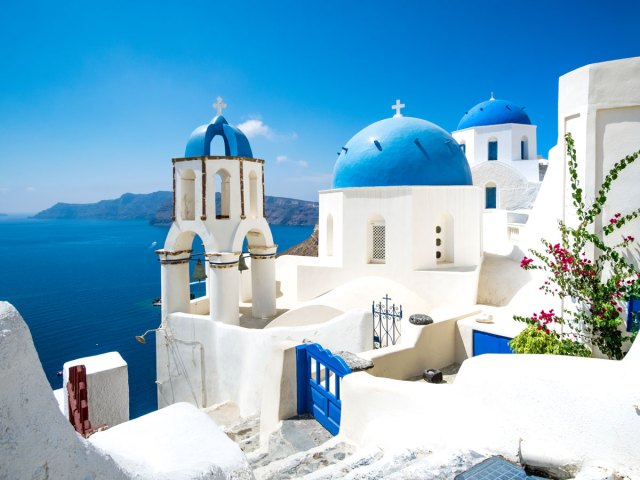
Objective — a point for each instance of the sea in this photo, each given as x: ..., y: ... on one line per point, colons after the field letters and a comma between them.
x: 86, y: 287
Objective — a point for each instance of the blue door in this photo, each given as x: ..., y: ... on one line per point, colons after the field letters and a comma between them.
x: 490, y: 197
x: 633, y: 315
x: 319, y: 374
x: 493, y: 150
x: 484, y: 342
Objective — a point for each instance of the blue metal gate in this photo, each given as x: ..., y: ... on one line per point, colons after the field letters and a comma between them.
x: 319, y: 373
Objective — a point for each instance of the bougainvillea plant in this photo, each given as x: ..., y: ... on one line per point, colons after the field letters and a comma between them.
x: 591, y: 270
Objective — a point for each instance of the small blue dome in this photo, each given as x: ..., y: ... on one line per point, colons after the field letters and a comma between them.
x: 401, y: 151
x: 494, y: 112
x: 236, y: 143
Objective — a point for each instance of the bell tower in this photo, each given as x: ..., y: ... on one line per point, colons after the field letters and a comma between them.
x: 219, y: 197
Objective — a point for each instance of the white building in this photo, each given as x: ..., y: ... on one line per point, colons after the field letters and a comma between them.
x: 499, y: 141
x: 403, y: 207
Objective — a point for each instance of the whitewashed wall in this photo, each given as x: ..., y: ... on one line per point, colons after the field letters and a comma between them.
x: 204, y: 362
x: 411, y: 215
x: 542, y: 406
x: 37, y: 440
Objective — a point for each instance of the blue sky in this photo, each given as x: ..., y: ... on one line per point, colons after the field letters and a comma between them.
x: 97, y: 97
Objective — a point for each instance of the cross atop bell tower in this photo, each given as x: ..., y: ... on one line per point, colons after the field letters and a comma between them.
x: 219, y: 105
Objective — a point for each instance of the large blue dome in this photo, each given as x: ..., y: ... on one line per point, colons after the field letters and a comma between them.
x: 401, y: 151
x: 494, y: 112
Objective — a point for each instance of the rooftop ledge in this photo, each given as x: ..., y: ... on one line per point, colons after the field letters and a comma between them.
x: 216, y: 157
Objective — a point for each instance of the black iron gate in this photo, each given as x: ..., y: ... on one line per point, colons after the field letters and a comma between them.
x: 386, y: 323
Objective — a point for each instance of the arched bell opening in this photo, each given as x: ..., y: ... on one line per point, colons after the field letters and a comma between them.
x: 218, y: 146
x: 257, y: 275
x: 198, y: 276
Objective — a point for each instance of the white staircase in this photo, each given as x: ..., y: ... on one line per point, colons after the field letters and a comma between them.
x: 302, y: 448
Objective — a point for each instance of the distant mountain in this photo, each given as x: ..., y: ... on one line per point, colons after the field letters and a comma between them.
x: 129, y: 206
x: 157, y: 208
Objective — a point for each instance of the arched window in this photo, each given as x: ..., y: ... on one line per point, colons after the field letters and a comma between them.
x: 493, y: 149
x: 223, y: 194
x: 444, y: 239
x: 524, y: 148
x: 188, y: 195
x: 377, y: 239
x: 490, y: 195
x: 217, y: 147
x: 329, y: 235
x: 463, y: 147
x: 253, y: 195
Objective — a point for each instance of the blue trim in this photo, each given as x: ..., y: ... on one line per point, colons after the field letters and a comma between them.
x: 484, y: 342
x: 302, y: 377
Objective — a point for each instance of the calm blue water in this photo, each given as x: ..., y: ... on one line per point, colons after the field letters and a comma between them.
x: 85, y: 287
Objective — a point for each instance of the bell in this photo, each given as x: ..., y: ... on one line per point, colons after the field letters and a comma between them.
x: 198, y: 271
x: 242, y: 265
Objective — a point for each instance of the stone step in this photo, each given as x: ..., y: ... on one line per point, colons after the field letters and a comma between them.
x: 295, y: 435
x: 437, y: 466
x: 243, y: 431
x: 303, y: 463
x: 358, y: 461
x: 246, y: 434
x: 389, y: 463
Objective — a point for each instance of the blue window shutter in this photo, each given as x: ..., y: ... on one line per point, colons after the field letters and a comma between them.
x: 490, y: 197
x: 493, y: 150
x: 633, y: 315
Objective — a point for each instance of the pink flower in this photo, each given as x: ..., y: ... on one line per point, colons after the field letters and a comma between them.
x: 525, y: 262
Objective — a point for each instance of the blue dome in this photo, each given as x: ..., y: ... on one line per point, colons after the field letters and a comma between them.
x: 494, y: 112
x: 235, y: 142
x: 401, y: 151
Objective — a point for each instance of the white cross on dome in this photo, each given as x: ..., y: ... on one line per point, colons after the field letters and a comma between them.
x: 397, y: 107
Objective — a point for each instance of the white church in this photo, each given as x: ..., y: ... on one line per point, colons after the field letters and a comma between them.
x: 406, y: 218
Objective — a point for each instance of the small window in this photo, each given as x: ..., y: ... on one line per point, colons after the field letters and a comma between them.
x: 490, y: 197
x: 463, y: 147
x: 438, y: 242
x: 378, y: 243
x: 438, y: 255
x: 524, y: 149
x: 438, y: 229
x: 493, y: 150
